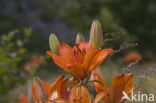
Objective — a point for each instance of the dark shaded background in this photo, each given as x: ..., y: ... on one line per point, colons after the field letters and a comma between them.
x: 67, y: 17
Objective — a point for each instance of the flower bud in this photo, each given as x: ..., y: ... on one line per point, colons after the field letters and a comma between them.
x: 79, y: 38
x: 54, y: 44
x: 96, y: 35
x: 39, y: 90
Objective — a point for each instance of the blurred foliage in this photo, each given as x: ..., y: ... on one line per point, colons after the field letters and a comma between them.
x: 135, y: 17
x: 13, y: 59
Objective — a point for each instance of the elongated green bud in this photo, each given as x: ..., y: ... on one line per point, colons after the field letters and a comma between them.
x: 96, y: 35
x: 79, y: 38
x: 54, y: 44
x: 39, y: 89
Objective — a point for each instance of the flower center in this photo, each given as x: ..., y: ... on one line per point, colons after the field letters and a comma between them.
x: 79, y: 54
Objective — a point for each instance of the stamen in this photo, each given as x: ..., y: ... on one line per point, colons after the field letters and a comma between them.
x: 79, y: 54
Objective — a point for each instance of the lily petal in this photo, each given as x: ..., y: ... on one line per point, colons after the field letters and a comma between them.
x: 77, y: 70
x: 66, y: 52
x: 128, y: 79
x: 46, y: 86
x: 79, y: 94
x: 55, y: 88
x: 58, y: 89
x: 116, y: 88
x: 86, y: 46
x: 98, y: 87
x: 101, y: 96
x: 58, y: 100
x: 88, y: 58
x: 99, y: 57
x: 133, y: 89
x: 58, y: 60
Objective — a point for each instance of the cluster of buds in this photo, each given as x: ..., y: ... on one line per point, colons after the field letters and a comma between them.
x: 86, y: 84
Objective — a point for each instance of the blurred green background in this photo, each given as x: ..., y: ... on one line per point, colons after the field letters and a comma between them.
x: 25, y: 26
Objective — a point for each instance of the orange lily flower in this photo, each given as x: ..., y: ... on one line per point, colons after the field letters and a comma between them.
x: 80, y: 60
x: 58, y: 93
x: 120, y: 83
x: 55, y: 91
x: 24, y: 99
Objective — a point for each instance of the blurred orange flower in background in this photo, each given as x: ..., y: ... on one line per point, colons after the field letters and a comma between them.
x: 24, y: 99
x: 131, y: 57
x: 37, y: 60
x: 33, y: 62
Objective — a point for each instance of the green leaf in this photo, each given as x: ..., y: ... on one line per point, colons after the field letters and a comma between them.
x: 17, y: 59
x: 9, y: 46
x: 10, y: 35
x: 14, y: 65
x: 28, y: 32
x: 33, y: 67
x: 22, y: 50
x: 19, y: 42
x: 1, y: 49
x: 1, y: 70
x: 3, y: 58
